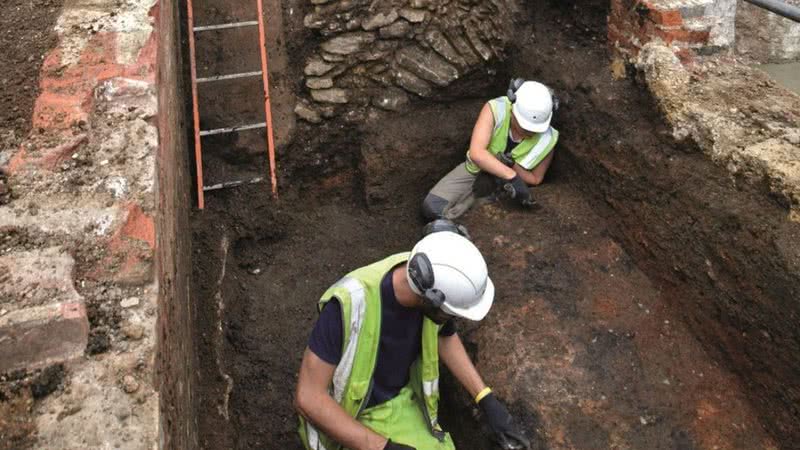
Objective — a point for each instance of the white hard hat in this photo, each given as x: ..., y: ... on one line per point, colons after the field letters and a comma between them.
x: 533, y: 107
x: 450, y: 264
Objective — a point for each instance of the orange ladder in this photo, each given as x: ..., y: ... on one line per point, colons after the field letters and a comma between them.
x: 199, y: 134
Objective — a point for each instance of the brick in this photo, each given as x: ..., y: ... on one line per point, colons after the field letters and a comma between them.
x: 47, y: 323
x: 681, y: 35
x: 685, y: 55
x: 39, y: 336
x: 139, y: 225
x: 669, y: 17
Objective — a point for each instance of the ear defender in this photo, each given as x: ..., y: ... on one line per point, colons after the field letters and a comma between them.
x: 420, y: 270
x: 554, y: 98
x: 513, y: 85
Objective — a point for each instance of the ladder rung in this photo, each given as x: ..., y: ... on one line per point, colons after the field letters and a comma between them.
x: 233, y: 129
x: 222, y: 26
x: 229, y: 184
x: 229, y: 77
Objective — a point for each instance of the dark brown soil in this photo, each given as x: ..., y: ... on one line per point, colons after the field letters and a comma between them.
x: 26, y: 34
x: 579, y: 342
x: 18, y: 391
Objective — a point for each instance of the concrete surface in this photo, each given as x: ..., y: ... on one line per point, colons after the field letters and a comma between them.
x: 787, y: 74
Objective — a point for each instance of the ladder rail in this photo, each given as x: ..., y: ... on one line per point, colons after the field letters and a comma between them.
x: 262, y: 38
x: 198, y: 151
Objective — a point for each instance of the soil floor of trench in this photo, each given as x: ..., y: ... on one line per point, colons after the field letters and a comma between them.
x: 607, y: 359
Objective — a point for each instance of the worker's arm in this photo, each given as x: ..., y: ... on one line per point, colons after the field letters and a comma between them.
x: 535, y: 176
x: 454, y: 356
x: 313, y: 402
x: 479, y: 146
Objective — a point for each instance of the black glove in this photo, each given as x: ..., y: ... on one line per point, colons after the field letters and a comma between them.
x: 519, y: 191
x: 395, y: 446
x: 506, y: 159
x: 496, y: 415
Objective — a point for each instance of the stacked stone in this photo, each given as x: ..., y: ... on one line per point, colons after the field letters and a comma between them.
x: 380, y: 53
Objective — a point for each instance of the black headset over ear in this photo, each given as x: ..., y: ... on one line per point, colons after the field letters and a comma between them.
x: 420, y: 270
x: 515, y: 84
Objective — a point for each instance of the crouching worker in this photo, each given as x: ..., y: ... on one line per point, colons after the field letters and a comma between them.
x: 511, y: 148
x: 369, y: 379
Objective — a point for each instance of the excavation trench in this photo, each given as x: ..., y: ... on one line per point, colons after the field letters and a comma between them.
x: 609, y: 328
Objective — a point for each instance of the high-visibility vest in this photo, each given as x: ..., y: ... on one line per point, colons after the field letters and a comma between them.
x: 528, y: 153
x: 359, y: 294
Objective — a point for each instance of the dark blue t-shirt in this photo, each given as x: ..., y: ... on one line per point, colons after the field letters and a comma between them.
x: 399, y: 346
x: 510, y: 144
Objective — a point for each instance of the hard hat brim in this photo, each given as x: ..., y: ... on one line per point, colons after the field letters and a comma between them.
x: 529, y: 125
x: 479, y: 310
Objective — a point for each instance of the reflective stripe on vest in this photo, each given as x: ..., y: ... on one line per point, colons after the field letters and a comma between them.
x: 528, y: 153
x: 358, y: 306
x: 314, y: 442
x: 539, y: 151
x: 430, y: 387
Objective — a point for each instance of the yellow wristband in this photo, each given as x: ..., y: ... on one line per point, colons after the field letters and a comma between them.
x: 486, y: 391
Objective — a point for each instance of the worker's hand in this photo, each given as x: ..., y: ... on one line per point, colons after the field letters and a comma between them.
x: 519, y: 191
x: 395, y: 446
x: 506, y: 159
x: 499, y: 420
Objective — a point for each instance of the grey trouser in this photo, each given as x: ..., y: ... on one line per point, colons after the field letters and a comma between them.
x: 452, y: 196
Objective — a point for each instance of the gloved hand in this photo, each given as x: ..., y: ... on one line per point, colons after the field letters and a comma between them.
x: 519, y: 191
x: 506, y: 159
x: 395, y: 446
x: 497, y: 417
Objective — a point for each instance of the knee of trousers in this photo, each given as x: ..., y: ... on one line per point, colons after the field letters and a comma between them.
x: 433, y: 207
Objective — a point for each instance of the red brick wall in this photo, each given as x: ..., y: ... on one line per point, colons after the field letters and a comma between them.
x: 632, y: 24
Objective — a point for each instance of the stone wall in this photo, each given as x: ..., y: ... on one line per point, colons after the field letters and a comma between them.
x: 766, y: 37
x: 380, y: 54
x: 689, y: 27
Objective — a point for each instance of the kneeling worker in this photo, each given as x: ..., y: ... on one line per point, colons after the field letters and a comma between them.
x: 369, y: 378
x: 512, y: 146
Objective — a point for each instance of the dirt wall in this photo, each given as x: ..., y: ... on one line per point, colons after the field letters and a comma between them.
x: 731, y: 234
x: 176, y: 352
